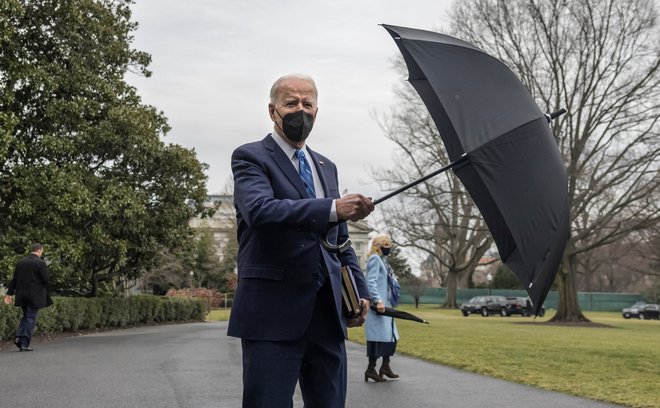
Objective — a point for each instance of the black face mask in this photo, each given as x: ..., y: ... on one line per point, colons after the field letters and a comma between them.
x: 385, y: 251
x: 297, y: 125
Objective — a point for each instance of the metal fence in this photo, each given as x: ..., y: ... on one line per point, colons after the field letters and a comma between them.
x: 590, y: 301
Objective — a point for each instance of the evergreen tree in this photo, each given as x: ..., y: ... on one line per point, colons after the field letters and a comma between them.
x: 399, y: 264
x: 83, y: 168
x: 505, y: 279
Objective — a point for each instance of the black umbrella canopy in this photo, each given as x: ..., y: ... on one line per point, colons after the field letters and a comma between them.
x: 511, y: 166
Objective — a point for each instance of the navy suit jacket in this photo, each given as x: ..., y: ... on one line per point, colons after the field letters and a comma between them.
x: 279, y: 251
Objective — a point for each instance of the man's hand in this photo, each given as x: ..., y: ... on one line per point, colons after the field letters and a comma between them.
x: 8, y: 300
x: 358, y: 321
x: 354, y: 207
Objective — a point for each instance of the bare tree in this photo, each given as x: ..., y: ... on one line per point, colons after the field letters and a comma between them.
x: 617, y: 267
x: 437, y: 217
x: 600, y: 59
x: 641, y: 263
x: 648, y: 249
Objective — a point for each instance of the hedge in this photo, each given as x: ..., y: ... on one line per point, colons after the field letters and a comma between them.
x: 69, y: 314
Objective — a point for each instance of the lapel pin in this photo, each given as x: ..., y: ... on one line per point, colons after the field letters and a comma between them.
x: 321, y: 162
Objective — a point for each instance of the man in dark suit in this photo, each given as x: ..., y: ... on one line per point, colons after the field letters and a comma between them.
x: 288, y: 307
x: 30, y: 287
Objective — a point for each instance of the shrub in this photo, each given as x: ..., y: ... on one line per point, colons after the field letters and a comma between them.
x: 74, y: 314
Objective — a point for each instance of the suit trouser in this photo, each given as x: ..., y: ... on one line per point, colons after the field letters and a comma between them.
x: 318, y: 360
x: 26, y: 326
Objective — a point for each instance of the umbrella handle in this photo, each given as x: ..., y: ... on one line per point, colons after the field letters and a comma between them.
x: 337, y: 249
x: 554, y: 115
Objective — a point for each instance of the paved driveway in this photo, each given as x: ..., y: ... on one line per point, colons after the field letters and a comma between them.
x: 197, y: 365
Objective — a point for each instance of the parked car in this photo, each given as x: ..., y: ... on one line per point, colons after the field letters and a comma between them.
x: 522, y: 306
x: 633, y: 311
x: 650, y: 311
x: 486, y: 305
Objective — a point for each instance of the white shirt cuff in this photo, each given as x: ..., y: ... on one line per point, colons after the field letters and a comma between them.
x: 333, y: 212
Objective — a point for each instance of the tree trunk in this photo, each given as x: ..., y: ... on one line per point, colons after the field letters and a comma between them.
x: 452, y: 284
x: 465, y: 279
x: 569, y: 307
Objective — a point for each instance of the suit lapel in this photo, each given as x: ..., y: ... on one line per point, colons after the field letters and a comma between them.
x: 285, y: 165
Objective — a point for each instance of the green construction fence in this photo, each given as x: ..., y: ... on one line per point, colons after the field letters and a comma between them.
x: 591, y: 301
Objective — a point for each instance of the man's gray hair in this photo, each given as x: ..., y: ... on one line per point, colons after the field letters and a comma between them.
x: 36, y: 247
x: 276, y: 86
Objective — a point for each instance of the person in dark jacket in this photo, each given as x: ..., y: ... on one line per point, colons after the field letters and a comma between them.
x: 29, y: 286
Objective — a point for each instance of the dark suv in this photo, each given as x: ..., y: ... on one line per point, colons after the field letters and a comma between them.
x: 650, y: 311
x: 486, y: 305
x: 522, y: 306
x: 633, y: 311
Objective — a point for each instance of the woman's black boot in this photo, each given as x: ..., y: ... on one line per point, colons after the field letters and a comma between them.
x: 371, y: 371
x: 386, y: 370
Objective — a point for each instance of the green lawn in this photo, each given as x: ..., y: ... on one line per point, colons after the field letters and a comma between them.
x: 218, y: 314
x: 619, y: 364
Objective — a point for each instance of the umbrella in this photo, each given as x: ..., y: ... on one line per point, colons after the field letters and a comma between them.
x: 501, y: 148
x: 399, y: 314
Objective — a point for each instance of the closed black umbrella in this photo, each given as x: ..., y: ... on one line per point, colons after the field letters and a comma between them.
x: 399, y: 314
x: 501, y: 149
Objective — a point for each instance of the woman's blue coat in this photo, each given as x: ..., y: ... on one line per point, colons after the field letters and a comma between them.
x: 379, y: 328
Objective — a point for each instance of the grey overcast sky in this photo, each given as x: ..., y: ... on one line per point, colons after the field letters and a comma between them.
x: 214, y: 62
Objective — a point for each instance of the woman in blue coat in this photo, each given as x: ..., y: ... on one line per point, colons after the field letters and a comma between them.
x: 380, y: 330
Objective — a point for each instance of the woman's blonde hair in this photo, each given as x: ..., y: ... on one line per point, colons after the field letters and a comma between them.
x: 379, y: 241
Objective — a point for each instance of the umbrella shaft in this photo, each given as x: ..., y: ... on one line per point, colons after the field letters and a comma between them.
x: 421, y: 180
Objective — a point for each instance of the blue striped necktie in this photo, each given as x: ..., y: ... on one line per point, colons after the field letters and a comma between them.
x: 308, y: 180
x: 305, y: 173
